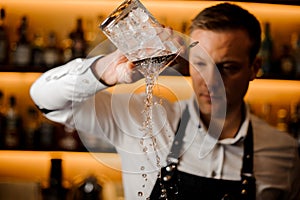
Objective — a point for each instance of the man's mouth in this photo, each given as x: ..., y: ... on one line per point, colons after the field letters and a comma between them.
x: 205, y: 96
x: 209, y: 96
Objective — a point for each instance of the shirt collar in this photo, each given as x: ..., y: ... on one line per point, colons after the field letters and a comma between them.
x: 240, y: 136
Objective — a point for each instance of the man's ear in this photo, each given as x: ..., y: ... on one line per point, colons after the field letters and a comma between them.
x: 255, y: 67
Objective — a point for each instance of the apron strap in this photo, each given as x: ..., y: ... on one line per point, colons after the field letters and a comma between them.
x: 174, y: 154
x: 248, y: 185
x: 247, y: 167
x: 167, y: 186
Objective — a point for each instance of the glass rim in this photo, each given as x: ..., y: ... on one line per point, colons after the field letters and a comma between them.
x: 120, y: 11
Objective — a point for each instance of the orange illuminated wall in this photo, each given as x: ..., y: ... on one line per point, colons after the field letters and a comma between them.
x: 34, y: 167
x: 279, y: 93
x: 60, y: 15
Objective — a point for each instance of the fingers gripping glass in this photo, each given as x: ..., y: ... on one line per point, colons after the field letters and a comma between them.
x: 142, y: 39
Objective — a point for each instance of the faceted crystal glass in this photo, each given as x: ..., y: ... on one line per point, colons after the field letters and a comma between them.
x: 137, y: 34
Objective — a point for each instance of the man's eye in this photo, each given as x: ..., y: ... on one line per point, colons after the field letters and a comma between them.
x: 228, y: 68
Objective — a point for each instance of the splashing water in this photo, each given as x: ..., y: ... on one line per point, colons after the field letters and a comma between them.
x: 150, y: 68
x: 150, y: 71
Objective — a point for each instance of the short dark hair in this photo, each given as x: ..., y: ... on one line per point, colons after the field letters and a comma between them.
x: 228, y: 16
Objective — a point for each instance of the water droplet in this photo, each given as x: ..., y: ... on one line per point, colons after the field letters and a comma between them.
x: 142, y: 167
x: 144, y: 175
x: 145, y: 149
x: 142, y: 141
x: 140, y: 194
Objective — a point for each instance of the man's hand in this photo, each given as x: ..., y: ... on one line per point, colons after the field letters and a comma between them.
x: 114, y: 68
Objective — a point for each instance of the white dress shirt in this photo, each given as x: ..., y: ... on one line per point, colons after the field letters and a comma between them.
x: 76, y: 98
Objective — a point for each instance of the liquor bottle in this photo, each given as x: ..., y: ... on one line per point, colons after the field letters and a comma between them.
x: 2, y: 120
x: 91, y: 35
x: 78, y: 41
x: 31, y: 128
x: 266, y: 111
x: 68, y: 141
x: 22, y: 51
x: 184, y: 27
x: 13, y: 126
x: 37, y: 50
x: 55, y: 190
x: 89, y: 189
x: 266, y: 51
x: 287, y: 63
x: 4, y: 44
x: 295, y: 43
x: 282, y: 120
x: 66, y: 46
x: 45, y: 139
x: 294, y: 122
x: 52, y: 52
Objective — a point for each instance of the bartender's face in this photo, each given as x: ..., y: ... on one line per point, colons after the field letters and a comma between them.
x: 229, y: 51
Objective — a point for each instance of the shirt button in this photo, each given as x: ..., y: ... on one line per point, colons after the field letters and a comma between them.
x: 213, y: 173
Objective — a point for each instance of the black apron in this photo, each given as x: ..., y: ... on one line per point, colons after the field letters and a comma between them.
x: 173, y: 184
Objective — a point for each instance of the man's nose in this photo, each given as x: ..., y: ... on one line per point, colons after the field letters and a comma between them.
x: 212, y: 77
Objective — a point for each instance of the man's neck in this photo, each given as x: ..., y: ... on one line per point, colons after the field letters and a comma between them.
x: 232, y: 122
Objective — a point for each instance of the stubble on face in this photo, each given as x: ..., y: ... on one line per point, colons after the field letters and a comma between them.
x: 230, y: 53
